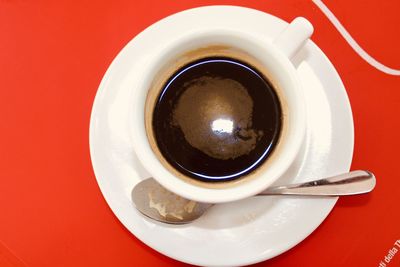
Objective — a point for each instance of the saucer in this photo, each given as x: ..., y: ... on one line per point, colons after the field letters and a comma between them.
x: 241, y: 232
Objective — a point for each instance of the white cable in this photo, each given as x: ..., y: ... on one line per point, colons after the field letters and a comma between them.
x: 357, y: 48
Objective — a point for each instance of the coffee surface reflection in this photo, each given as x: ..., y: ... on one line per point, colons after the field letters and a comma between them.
x: 216, y: 119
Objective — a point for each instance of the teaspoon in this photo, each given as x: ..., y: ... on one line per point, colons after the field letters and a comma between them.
x: 157, y: 203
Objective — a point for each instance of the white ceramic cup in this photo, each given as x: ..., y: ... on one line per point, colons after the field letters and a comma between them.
x: 274, y: 59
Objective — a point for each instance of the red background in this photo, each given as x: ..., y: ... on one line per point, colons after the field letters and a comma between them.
x: 53, y: 55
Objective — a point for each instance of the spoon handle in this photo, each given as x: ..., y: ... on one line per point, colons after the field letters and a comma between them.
x: 352, y: 183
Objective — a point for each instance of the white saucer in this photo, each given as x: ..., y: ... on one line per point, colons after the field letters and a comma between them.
x: 237, y: 233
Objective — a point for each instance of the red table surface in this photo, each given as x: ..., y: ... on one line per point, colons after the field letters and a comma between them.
x: 53, y: 55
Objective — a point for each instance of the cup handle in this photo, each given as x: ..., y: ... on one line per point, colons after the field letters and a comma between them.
x: 291, y: 39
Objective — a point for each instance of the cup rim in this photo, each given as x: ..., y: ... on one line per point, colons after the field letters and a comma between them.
x: 147, y: 156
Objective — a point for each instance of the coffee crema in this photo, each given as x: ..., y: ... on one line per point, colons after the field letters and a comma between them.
x: 216, y: 119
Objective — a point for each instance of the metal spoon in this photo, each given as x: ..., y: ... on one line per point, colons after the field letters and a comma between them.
x: 159, y: 204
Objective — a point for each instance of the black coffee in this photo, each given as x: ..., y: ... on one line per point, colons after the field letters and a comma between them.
x: 216, y: 119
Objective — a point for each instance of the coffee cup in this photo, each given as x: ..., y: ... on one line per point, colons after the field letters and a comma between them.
x: 218, y: 115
